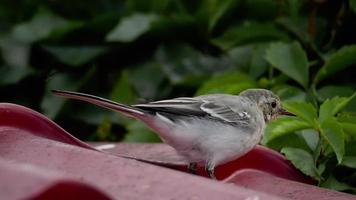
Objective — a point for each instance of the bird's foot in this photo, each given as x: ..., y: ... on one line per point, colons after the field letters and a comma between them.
x: 192, y: 168
x: 210, y: 170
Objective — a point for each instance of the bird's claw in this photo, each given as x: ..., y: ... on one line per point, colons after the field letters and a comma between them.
x: 192, y: 168
x: 210, y: 170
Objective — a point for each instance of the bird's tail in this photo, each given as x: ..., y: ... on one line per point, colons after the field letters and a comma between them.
x: 125, y: 109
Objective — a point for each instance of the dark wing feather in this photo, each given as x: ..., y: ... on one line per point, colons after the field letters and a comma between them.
x: 196, y: 107
x: 178, y: 106
x: 225, y: 112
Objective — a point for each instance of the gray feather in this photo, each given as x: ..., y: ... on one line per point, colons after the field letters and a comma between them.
x: 225, y: 112
x: 207, y: 105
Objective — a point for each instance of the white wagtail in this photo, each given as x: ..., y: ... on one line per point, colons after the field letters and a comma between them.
x: 209, y: 129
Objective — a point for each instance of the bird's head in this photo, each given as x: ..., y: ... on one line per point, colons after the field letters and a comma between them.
x: 267, y: 102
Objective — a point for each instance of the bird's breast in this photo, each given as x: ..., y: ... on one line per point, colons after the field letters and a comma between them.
x: 198, y: 138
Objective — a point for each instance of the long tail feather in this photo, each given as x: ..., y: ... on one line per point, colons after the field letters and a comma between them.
x: 125, y: 109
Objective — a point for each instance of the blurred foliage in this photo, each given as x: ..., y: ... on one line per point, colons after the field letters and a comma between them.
x: 133, y: 50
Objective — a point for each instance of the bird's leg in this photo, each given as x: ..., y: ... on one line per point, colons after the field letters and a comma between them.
x: 209, y: 168
x: 192, y: 167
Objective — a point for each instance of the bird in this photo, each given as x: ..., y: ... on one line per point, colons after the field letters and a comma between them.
x: 207, y: 130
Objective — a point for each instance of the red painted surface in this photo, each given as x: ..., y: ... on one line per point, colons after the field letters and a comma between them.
x: 260, y: 158
x: 38, y: 160
x: 20, y: 117
x: 27, y: 181
x: 260, y: 181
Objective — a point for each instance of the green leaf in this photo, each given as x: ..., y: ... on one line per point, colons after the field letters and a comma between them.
x: 289, y: 140
x: 294, y: 8
x: 283, y: 126
x: 351, y: 106
x: 75, y: 56
x: 332, y: 131
x: 347, y: 117
x: 349, y: 129
x: 321, y: 168
x: 330, y: 107
x: 149, y: 81
x: 160, y: 5
x: 13, y: 74
x: 41, y: 26
x: 258, y: 65
x: 302, y: 160
x: 51, y: 104
x: 289, y: 59
x: 349, y: 161
x: 218, y: 10
x: 297, y: 28
x: 180, y: 62
x: 122, y: 91
x: 132, y: 27
x: 249, y: 32
x: 241, y: 56
x: 321, y: 146
x: 341, y: 59
x: 103, y: 132
x: 89, y: 114
x: 138, y: 132
x: 15, y: 54
x: 262, y: 10
x: 350, y: 148
x: 230, y: 83
x: 353, y: 5
x: 334, y: 184
x: 289, y: 93
x: 305, y: 111
x: 331, y: 91
x: 311, y: 137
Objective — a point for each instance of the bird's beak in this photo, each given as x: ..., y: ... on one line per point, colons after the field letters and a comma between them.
x: 285, y: 112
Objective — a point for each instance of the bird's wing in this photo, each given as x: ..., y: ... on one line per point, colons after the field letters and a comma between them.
x: 178, y: 106
x: 225, y: 112
x: 197, y: 107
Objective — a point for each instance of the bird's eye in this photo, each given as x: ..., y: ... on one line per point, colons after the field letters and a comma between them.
x: 273, y: 104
